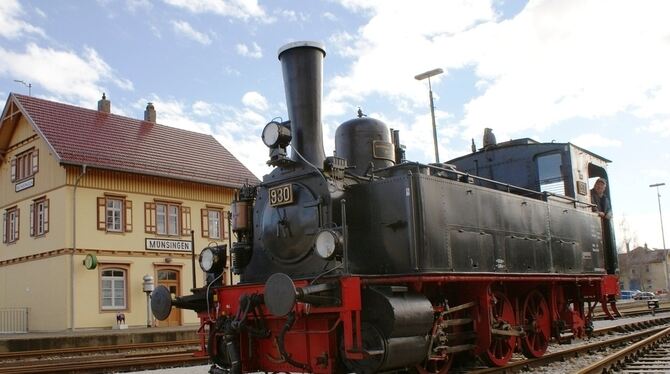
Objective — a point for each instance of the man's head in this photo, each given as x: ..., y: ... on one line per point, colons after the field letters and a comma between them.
x: 600, y: 186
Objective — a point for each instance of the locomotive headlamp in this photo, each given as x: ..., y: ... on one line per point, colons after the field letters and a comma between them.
x: 328, y: 242
x: 276, y: 134
x: 213, y: 259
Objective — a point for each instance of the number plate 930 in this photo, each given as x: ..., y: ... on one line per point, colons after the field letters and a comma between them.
x: 281, y: 195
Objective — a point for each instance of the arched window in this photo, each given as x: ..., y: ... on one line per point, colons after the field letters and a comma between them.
x: 113, y: 289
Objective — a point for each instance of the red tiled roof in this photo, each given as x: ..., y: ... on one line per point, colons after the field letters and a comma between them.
x: 88, y: 137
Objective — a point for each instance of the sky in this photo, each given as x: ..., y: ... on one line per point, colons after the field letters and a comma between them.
x: 593, y: 73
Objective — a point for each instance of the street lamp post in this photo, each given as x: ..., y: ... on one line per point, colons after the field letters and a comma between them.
x: 660, y: 213
x: 148, y: 287
x: 423, y: 76
x: 29, y: 85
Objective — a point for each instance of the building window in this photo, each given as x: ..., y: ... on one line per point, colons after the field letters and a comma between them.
x: 115, y: 214
x: 10, y: 225
x: 25, y: 165
x: 167, y: 218
x: 212, y: 220
x: 39, y: 217
x: 113, y: 283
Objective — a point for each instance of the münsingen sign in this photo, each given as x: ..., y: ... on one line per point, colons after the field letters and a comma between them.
x: 167, y: 245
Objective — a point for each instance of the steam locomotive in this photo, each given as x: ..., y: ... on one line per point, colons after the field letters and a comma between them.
x: 365, y: 262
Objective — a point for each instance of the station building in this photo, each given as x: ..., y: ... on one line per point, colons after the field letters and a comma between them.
x: 92, y: 202
x: 644, y: 269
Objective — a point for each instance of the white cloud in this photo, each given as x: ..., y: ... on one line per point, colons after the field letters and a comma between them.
x: 174, y: 113
x: 40, y: 13
x: 552, y: 62
x: 184, y: 28
x: 292, y: 15
x: 240, y: 9
x: 63, y: 74
x: 253, y: 52
x: 255, y: 100
x: 202, y: 108
x: 329, y: 16
x: 592, y: 141
x: 11, y: 26
x: 236, y: 129
x: 135, y: 5
x: 343, y: 43
x: 640, y: 229
x: 388, y: 56
x: 659, y: 126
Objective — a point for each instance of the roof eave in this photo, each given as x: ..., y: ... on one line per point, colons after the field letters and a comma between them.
x: 37, y: 128
x: 153, y: 174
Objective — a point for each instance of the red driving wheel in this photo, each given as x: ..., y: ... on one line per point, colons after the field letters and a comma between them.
x: 537, y: 325
x: 502, y: 317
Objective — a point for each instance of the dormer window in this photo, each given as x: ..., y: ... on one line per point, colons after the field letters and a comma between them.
x: 25, y: 165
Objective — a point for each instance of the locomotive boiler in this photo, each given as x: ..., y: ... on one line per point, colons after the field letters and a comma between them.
x: 365, y: 262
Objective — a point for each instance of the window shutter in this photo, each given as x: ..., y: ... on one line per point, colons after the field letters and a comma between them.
x: 150, y: 218
x: 204, y: 221
x: 128, y: 217
x: 35, y: 160
x: 102, y: 209
x: 185, y: 220
x: 16, y: 227
x: 4, y: 227
x: 13, y: 167
x: 46, y: 216
x: 32, y: 219
x: 224, y: 224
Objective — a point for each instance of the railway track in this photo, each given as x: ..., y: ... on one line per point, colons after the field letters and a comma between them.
x: 99, y: 349
x: 650, y: 355
x: 102, y: 359
x: 587, y: 349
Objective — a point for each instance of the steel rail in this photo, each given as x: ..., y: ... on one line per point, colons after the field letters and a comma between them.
x: 615, y: 359
x: 96, y: 349
x: 89, y: 363
x: 571, y: 352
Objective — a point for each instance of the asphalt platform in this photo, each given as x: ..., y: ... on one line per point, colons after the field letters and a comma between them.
x: 94, y: 337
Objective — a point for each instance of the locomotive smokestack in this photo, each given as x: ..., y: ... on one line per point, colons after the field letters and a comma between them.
x: 302, y: 67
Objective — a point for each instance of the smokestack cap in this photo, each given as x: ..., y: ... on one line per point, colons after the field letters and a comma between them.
x: 301, y: 44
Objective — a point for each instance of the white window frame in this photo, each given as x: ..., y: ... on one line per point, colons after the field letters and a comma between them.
x: 116, y: 291
x: 214, y: 219
x: 115, y: 213
x: 24, y: 165
x: 10, y: 225
x: 168, y: 219
x: 39, y: 217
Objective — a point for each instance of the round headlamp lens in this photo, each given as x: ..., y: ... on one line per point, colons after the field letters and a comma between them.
x: 206, y: 260
x: 271, y: 134
x: 327, y: 243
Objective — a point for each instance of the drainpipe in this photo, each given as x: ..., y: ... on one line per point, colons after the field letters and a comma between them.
x: 74, y: 244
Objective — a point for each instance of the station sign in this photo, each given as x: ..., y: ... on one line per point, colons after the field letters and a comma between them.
x: 153, y: 244
x: 24, y: 185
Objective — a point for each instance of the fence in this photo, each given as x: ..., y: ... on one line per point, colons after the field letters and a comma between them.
x: 13, y: 320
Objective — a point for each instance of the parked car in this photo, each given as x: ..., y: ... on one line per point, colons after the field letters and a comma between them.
x: 644, y: 296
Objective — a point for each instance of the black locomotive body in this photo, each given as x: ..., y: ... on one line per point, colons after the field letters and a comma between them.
x: 365, y: 262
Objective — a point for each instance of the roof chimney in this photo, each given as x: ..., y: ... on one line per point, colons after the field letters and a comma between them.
x: 104, y: 105
x: 150, y: 113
